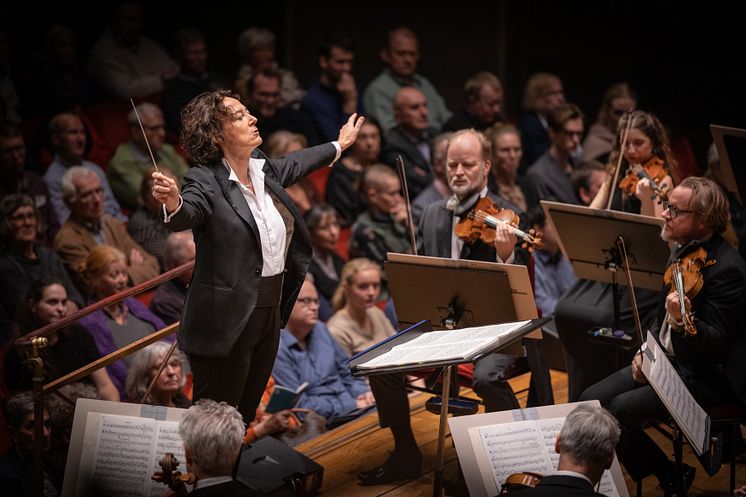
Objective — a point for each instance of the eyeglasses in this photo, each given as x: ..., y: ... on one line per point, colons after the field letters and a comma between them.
x: 569, y: 132
x: 675, y: 211
x: 308, y: 301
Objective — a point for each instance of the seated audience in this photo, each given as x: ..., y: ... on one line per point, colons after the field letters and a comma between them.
x: 585, y: 445
x: 120, y: 324
x: 357, y: 325
x: 89, y: 227
x: 168, y: 388
x: 438, y: 189
x: 302, y: 192
x: 132, y: 160
x: 308, y: 353
x: 17, y: 464
x: 146, y: 226
x: 24, y: 260
x: 68, y: 349
x: 168, y: 300
x: 483, y: 94
x: 322, y: 222
x: 618, y: 100
x: 507, y: 152
x: 587, y: 179
x: 212, y: 433
x: 543, y: 94
x: 343, y: 184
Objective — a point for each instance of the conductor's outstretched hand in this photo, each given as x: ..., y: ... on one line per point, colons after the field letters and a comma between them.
x: 348, y: 132
x: 166, y: 191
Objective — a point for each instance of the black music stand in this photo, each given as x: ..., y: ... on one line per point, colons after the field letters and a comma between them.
x: 437, y: 293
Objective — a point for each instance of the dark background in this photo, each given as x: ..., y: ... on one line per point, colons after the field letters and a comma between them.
x: 685, y: 59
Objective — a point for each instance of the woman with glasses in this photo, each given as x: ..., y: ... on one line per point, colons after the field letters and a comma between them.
x: 24, y: 260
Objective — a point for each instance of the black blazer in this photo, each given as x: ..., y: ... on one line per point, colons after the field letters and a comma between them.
x: 228, y: 264
x: 559, y: 486
x: 434, y: 237
x: 418, y: 170
x: 231, y: 488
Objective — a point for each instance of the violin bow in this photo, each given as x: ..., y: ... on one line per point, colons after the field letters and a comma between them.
x: 619, y: 162
x: 410, y: 224
x: 631, y: 290
x: 137, y: 115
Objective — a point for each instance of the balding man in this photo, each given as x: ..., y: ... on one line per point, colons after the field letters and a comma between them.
x: 401, y: 55
x: 483, y: 94
x: 410, y: 138
x: 132, y: 158
x: 168, y: 300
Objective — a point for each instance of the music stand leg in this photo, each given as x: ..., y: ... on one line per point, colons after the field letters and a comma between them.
x: 438, y: 481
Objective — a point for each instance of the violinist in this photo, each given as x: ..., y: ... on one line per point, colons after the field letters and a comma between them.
x: 641, y: 141
x: 212, y: 433
x: 467, y: 169
x: 585, y: 445
x: 710, y: 360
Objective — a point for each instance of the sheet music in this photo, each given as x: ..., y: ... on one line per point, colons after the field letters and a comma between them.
x: 128, y: 450
x: 445, y: 345
x: 672, y: 391
x: 528, y: 446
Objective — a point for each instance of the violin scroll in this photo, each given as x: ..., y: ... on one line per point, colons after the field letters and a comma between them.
x: 169, y: 475
x: 518, y: 481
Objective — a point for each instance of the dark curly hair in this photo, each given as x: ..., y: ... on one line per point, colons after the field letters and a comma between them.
x: 202, y: 126
x: 653, y: 129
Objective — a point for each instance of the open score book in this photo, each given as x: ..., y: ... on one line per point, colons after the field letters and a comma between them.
x: 447, y: 345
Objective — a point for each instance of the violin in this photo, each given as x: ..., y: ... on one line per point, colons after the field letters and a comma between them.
x: 481, y: 222
x: 520, y: 480
x: 654, y: 170
x: 685, y: 277
x: 170, y: 476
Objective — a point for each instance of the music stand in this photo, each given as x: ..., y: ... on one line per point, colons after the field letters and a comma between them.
x: 731, y: 146
x: 451, y: 293
x: 588, y: 239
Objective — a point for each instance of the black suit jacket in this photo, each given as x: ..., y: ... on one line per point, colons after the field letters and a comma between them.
x: 418, y: 170
x: 559, y: 486
x: 719, y: 310
x: 228, y: 489
x: 228, y: 264
x: 435, y: 233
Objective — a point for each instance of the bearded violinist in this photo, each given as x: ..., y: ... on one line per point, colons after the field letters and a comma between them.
x: 467, y: 171
x: 710, y: 362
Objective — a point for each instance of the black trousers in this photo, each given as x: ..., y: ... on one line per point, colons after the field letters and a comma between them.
x: 390, y: 391
x: 241, y: 378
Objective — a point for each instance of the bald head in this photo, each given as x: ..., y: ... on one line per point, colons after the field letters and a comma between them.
x: 410, y: 109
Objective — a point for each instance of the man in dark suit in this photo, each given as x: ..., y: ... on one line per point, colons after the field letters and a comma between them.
x: 467, y: 170
x: 410, y: 138
x: 708, y: 356
x: 253, y: 248
x: 586, y: 449
x: 212, y: 434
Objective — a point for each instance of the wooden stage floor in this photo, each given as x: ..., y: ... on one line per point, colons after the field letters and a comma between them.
x: 362, y: 445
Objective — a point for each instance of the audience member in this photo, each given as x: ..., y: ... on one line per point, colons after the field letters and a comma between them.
x: 357, y: 325
x: 24, y: 260
x: 483, y: 95
x: 168, y: 300
x: 553, y: 274
x: 193, y: 78
x: 343, y: 184
x: 322, y: 222
x: 168, y: 388
x: 89, y: 227
x: 212, y: 434
x: 14, y: 178
x: 69, y: 141
x: 127, y: 63
x: 333, y: 98
x: 302, y: 192
x: 10, y: 102
x: 618, y: 100
x: 68, y: 349
x: 132, y: 158
x: 401, y: 55
x: 116, y: 325
x: 410, y: 139
x: 17, y: 464
x: 145, y: 225
x: 587, y: 179
x: 438, y: 189
x: 585, y: 445
x: 551, y: 172
x: 543, y: 94
x: 308, y: 353
x: 381, y: 228
x: 256, y: 47
x: 504, y: 180
x: 262, y: 97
